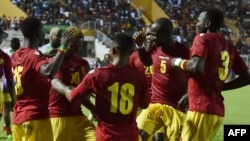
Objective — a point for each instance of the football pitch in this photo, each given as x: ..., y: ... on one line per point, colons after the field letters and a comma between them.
x: 237, y: 105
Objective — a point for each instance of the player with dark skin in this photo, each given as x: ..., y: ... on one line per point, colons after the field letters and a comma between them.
x: 115, y: 115
x: 8, y: 92
x: 212, y: 57
x: 148, y: 71
x: 165, y: 92
x: 67, y: 119
x: 31, y: 120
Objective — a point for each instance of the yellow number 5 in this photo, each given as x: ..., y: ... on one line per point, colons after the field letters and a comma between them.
x: 17, y: 77
x: 163, y: 66
x: 122, y: 97
x: 224, y: 70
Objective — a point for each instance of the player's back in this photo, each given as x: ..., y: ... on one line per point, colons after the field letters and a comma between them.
x: 119, y: 92
x: 220, y: 57
x: 31, y: 87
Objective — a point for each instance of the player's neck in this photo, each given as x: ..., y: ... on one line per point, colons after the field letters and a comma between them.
x: 32, y: 43
x: 117, y: 62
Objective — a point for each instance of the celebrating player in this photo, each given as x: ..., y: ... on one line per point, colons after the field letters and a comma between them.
x: 119, y: 90
x: 212, y: 58
x: 68, y: 122
x: 31, y: 69
x: 168, y: 85
x: 7, y: 93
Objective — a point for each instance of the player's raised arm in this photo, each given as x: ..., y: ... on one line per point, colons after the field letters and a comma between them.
x: 145, y: 56
x: 51, y: 68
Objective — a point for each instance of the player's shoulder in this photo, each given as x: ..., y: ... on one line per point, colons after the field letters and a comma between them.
x: 3, y: 54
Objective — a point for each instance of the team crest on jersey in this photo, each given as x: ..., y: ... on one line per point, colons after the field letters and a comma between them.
x: 1, y: 61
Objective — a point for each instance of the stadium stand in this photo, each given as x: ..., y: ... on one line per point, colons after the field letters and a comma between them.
x: 110, y: 16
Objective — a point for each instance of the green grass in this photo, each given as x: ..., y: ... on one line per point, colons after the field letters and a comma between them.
x: 237, y: 103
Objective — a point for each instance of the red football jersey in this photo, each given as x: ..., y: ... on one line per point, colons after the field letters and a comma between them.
x: 168, y: 84
x: 32, y: 89
x: 5, y: 65
x: 119, y: 92
x: 135, y: 61
x: 71, y: 73
x: 220, y: 57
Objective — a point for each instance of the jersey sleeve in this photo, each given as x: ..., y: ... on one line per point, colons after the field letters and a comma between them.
x: 85, y: 87
x: 199, y: 47
x: 38, y: 60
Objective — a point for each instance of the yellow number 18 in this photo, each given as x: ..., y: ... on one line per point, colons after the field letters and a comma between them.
x: 122, y: 97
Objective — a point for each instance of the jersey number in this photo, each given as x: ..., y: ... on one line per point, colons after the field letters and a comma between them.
x: 148, y: 70
x: 17, y: 77
x: 163, y: 68
x: 224, y: 70
x: 75, y: 78
x: 122, y: 97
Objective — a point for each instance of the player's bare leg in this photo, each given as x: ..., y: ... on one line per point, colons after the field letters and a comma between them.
x: 7, y: 120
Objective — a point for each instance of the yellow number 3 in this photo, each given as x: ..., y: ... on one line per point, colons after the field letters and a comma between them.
x: 122, y: 98
x: 17, y: 77
x: 224, y: 70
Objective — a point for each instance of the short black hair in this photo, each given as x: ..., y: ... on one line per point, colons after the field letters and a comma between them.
x: 30, y: 27
x: 15, y: 44
x: 124, y: 43
x: 165, y: 26
x: 216, y: 17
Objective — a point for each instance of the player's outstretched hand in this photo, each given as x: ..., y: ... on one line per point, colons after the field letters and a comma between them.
x: 140, y: 37
x: 183, y: 103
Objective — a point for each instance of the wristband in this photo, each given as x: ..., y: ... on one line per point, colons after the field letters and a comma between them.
x: 177, y: 61
x: 181, y: 63
x: 62, y: 49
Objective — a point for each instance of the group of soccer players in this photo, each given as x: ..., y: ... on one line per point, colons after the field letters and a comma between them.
x: 50, y: 88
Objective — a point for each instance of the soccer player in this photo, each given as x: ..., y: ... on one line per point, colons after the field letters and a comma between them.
x: 7, y: 93
x: 168, y: 85
x: 212, y: 58
x: 119, y: 89
x: 50, y: 49
x: 68, y: 122
x: 147, y: 71
x: 31, y: 69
